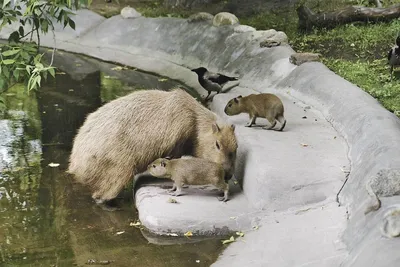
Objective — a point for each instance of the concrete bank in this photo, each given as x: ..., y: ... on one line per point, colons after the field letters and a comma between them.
x: 287, y: 203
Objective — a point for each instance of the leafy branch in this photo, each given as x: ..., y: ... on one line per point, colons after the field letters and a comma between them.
x: 20, y: 60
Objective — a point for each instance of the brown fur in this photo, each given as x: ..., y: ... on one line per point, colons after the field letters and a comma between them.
x: 190, y: 171
x: 267, y: 106
x: 122, y: 137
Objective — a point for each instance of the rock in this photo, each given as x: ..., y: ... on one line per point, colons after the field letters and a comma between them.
x: 201, y: 16
x: 269, y: 43
x: 129, y: 12
x: 391, y: 223
x: 273, y: 38
x: 225, y: 18
x: 243, y: 28
x: 300, y: 58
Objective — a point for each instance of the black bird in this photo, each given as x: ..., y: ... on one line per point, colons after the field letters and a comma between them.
x: 212, y: 81
x: 394, y: 56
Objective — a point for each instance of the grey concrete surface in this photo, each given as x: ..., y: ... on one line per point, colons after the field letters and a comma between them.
x: 289, y: 190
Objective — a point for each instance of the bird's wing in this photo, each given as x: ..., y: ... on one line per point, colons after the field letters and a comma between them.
x: 220, y: 78
x: 389, y: 55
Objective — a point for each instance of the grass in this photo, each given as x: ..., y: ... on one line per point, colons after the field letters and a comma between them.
x: 357, y: 51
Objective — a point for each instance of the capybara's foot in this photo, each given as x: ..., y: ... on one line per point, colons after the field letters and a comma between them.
x: 109, y: 205
x: 224, y: 199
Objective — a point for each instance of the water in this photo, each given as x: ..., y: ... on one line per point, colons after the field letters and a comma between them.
x: 46, y: 219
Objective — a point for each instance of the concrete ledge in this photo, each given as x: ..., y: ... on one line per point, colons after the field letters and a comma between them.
x: 372, y: 134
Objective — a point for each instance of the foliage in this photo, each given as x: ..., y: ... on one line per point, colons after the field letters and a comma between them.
x: 20, y: 60
x: 358, y: 54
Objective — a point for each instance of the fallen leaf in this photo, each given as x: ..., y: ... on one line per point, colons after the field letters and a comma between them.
x: 78, y: 65
x: 53, y: 165
x: 241, y: 234
x: 230, y: 240
x: 235, y: 181
x: 189, y: 233
x: 71, y: 90
x: 197, y: 261
x: 162, y: 80
x: 255, y: 227
x: 60, y: 73
x: 172, y: 234
x: 304, y: 117
x: 172, y: 200
x: 120, y: 232
x: 305, y: 145
x: 233, y: 218
x: 119, y: 68
x: 135, y: 224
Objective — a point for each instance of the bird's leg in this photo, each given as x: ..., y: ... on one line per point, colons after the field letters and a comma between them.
x: 209, y: 93
x: 391, y: 72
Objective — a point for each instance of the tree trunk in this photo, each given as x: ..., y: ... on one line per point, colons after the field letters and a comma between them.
x: 308, y: 19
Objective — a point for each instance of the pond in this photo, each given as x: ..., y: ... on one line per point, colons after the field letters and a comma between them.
x: 46, y: 218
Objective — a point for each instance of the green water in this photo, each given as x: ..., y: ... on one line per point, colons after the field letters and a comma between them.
x: 46, y: 219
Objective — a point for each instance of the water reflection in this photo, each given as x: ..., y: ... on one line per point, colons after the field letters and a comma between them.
x: 48, y: 220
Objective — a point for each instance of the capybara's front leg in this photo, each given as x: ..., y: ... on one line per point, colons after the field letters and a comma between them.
x: 172, y: 189
x: 224, y: 187
x: 178, y: 191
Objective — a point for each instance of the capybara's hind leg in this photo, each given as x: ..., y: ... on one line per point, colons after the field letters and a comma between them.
x: 272, y: 121
x: 282, y: 121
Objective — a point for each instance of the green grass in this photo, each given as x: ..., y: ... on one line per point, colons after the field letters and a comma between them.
x: 358, y: 54
x: 357, y: 51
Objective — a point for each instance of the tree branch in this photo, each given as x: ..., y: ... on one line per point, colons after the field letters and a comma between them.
x: 308, y: 19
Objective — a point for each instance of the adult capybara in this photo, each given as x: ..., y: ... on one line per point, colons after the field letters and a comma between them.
x: 121, y: 138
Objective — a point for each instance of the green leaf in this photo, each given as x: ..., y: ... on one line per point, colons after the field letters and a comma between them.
x: 10, y: 52
x: 45, y: 75
x: 71, y: 24
x: 21, y: 30
x: 14, y: 37
x: 16, y: 75
x: 45, y: 26
x: 52, y: 72
x: 38, y: 80
x: 6, y: 72
x: 6, y: 2
x: 8, y: 61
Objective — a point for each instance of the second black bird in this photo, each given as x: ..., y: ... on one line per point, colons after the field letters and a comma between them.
x: 394, y: 56
x: 212, y: 81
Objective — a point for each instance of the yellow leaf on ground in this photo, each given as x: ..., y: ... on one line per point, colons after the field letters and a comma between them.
x: 189, y: 233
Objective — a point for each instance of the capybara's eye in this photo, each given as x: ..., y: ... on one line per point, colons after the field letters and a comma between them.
x: 154, y: 166
x: 216, y: 143
x: 230, y: 105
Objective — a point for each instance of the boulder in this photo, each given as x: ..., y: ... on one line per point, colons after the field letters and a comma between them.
x: 130, y: 13
x: 300, y: 58
x: 201, y: 16
x: 225, y: 18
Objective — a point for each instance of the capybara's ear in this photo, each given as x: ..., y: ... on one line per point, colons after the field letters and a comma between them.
x: 163, y: 164
x: 215, y: 128
x: 239, y: 96
x: 233, y: 126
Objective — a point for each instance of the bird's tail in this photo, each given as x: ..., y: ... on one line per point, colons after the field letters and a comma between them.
x: 233, y: 78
